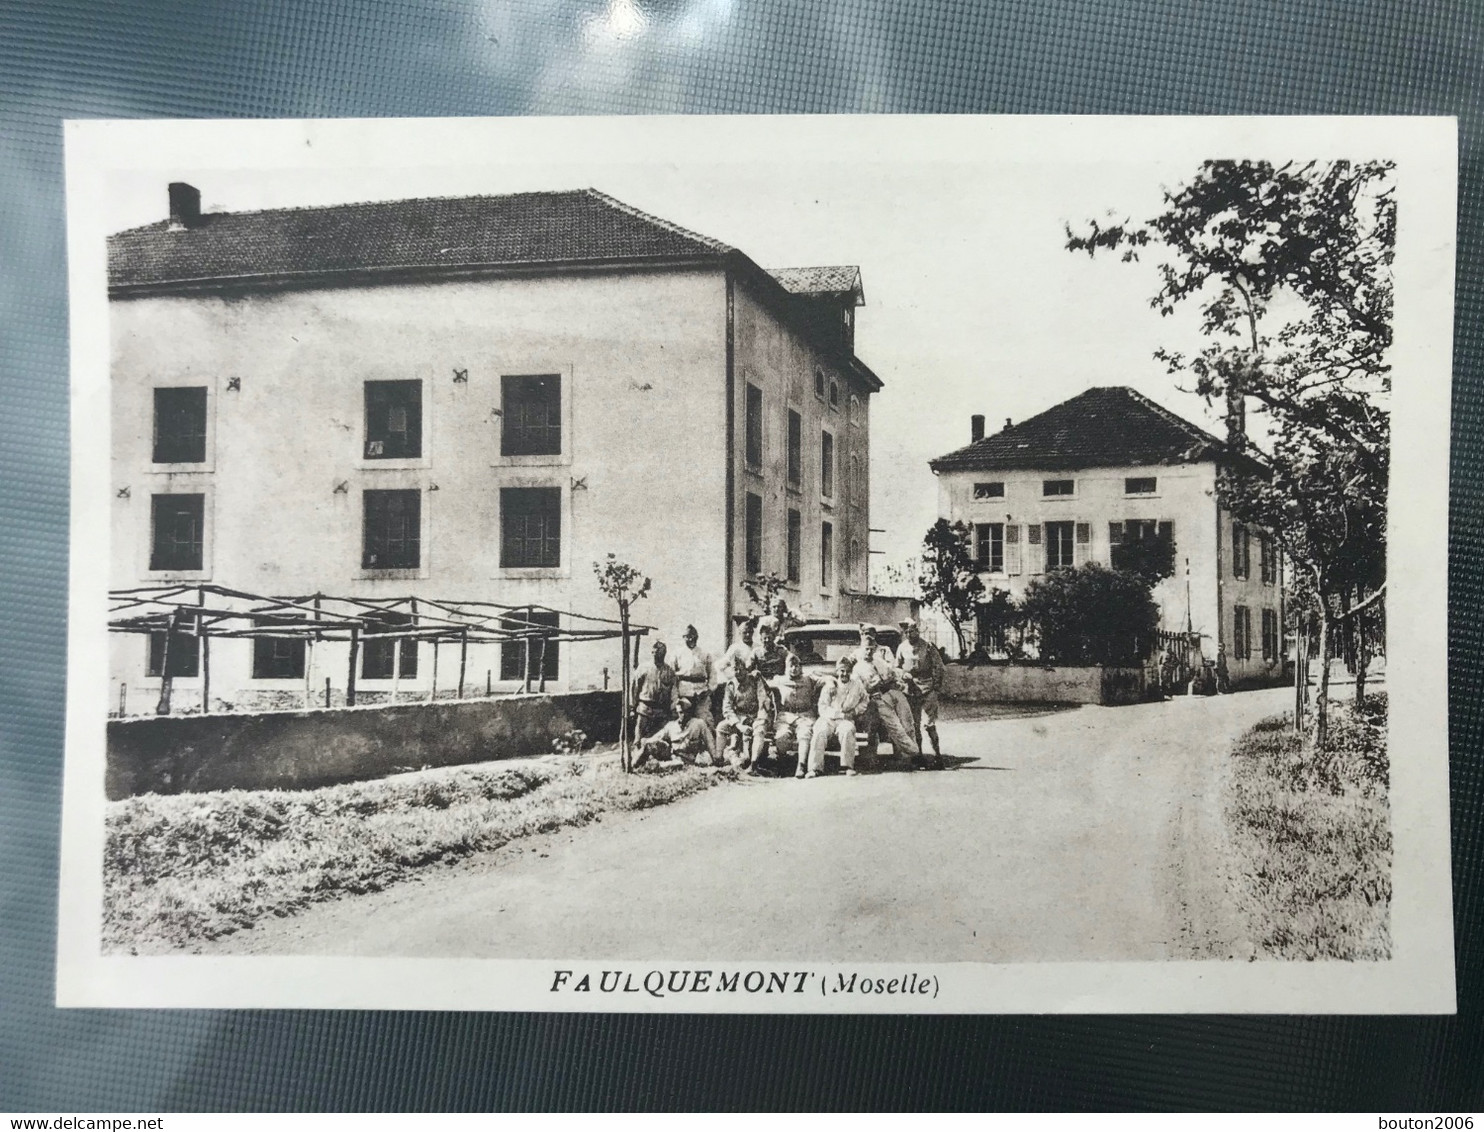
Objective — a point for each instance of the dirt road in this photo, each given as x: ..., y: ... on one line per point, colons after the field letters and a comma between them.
x: 1092, y: 833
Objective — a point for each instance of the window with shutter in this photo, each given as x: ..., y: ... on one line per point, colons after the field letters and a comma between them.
x: 795, y: 544
x: 1241, y: 632
x: 1241, y: 552
x: 1269, y: 635
x: 989, y: 547
x: 1083, y: 551
x: 1033, y: 550
x: 1012, y: 548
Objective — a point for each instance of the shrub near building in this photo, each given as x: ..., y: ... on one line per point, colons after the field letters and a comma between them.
x: 1091, y: 615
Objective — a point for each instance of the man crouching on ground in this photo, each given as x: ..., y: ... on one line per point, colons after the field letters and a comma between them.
x: 842, y: 702
x: 688, y: 736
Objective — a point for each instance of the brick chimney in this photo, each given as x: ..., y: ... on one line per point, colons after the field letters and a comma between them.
x: 185, y: 206
x: 976, y: 427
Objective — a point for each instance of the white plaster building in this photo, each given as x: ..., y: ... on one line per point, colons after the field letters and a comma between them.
x: 475, y: 399
x: 1105, y: 468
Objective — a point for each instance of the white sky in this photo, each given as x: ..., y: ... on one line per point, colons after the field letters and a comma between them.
x: 972, y: 303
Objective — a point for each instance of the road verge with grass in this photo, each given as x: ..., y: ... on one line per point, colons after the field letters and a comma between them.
x: 1312, y: 837
x: 186, y: 868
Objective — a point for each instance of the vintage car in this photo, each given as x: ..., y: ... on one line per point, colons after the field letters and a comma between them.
x: 820, y: 644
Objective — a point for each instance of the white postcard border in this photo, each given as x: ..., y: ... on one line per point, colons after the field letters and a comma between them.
x: 1419, y: 977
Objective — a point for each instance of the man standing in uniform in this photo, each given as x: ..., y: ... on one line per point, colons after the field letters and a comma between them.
x: 922, y: 678
x: 875, y: 669
x: 653, y: 694
x: 695, y: 674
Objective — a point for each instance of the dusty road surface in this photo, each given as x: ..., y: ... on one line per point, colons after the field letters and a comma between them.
x: 1089, y: 833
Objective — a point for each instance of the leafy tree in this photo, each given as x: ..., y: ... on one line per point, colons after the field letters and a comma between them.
x: 1151, y: 558
x: 948, y: 577
x: 624, y: 585
x: 1091, y: 615
x: 1289, y: 268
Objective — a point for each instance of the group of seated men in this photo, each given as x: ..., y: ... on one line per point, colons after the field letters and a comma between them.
x: 771, y: 711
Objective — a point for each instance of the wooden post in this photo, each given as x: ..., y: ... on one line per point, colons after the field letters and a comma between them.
x: 433, y: 683
x: 525, y: 653
x: 1300, y: 675
x: 203, y: 659
x: 541, y: 668
x: 327, y: 691
x: 350, y: 676
x: 489, y: 689
x: 463, y: 659
x: 624, y: 761
x: 308, y: 673
x: 205, y: 669
x: 162, y: 707
x: 123, y: 699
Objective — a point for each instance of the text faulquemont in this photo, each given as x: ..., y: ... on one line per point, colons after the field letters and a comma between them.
x: 660, y: 983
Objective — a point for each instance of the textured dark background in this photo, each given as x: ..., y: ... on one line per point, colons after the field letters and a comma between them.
x: 263, y: 58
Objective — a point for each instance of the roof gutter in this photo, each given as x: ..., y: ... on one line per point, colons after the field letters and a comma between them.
x: 401, y: 273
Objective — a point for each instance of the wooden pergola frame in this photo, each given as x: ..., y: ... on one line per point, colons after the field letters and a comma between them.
x: 207, y: 611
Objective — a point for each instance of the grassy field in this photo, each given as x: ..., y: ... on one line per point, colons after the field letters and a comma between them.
x: 1313, y: 838
x: 184, y: 868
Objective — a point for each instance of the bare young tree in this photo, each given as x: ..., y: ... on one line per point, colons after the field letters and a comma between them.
x: 624, y: 585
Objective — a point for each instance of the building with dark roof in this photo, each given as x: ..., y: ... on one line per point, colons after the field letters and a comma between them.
x: 1088, y: 478
x: 477, y: 398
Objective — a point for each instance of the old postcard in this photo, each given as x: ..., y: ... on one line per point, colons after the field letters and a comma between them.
x: 760, y: 564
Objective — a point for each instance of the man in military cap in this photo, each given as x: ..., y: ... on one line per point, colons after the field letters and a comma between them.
x: 875, y: 668
x: 922, y: 673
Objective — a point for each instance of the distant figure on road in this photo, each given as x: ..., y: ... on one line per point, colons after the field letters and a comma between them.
x: 798, y: 700
x: 922, y: 679
x: 843, y: 702
x: 695, y: 673
x: 876, y: 670
x: 653, y: 694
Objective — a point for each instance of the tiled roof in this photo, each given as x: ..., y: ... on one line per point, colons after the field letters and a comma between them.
x: 1105, y: 427
x: 517, y: 230
x: 843, y: 279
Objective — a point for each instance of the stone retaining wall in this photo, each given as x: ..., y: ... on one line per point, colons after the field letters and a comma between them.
x: 302, y: 749
x: 1022, y: 683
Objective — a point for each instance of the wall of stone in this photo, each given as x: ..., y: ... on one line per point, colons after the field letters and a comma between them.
x: 1017, y: 683
x: 304, y: 749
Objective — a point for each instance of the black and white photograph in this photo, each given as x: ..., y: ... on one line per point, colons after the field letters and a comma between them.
x: 740, y: 564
